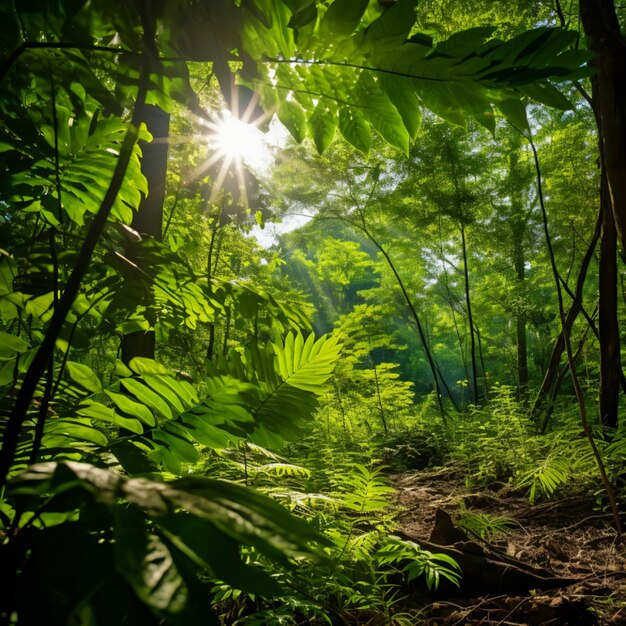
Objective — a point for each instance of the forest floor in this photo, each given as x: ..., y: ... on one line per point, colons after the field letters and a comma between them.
x: 565, y: 536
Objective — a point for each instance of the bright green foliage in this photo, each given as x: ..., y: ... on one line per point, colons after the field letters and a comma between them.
x: 86, y: 147
x: 364, y: 379
x: 341, y: 263
x: 422, y: 562
x: 483, y: 525
x: 351, y: 503
x: 89, y: 440
x: 551, y: 473
x: 566, y: 460
x: 382, y: 71
x: 268, y: 395
x: 415, y: 209
x: 369, y: 494
x: 503, y: 429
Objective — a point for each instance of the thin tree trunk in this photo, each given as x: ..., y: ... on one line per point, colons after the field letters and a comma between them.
x: 554, y: 390
x: 580, y: 398
x: 210, y: 271
x: 610, y: 359
x: 450, y: 300
x: 470, y: 320
x: 435, y: 371
x: 211, y: 345
x: 572, y: 314
x: 418, y: 325
x: 149, y: 218
x: 482, y: 362
x: 416, y: 319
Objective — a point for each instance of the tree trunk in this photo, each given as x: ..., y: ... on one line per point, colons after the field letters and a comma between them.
x: 482, y: 363
x: 602, y: 29
x: 554, y: 390
x: 609, y: 98
x: 610, y: 360
x: 149, y: 218
x: 210, y: 273
x: 226, y: 332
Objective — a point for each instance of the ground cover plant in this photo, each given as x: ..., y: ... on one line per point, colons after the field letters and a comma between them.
x: 226, y: 365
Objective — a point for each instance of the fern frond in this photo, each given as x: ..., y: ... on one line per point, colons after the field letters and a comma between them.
x: 548, y: 476
x: 307, y: 364
x: 282, y: 469
x: 270, y: 392
x: 366, y: 490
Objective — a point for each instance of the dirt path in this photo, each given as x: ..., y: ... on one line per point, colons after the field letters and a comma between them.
x: 565, y: 536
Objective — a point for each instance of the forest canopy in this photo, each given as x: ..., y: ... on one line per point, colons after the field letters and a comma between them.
x: 201, y: 426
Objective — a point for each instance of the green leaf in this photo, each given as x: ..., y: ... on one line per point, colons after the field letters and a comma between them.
x: 11, y: 346
x: 307, y: 365
x: 395, y: 23
x: 403, y: 97
x: 323, y: 123
x: 170, y: 389
x: 121, y: 369
x: 515, y: 111
x: 380, y: 111
x: 204, y: 432
x: 133, y: 458
x: 239, y: 512
x: 144, y: 394
x: 7, y: 369
x: 451, y: 102
x: 245, y: 515
x: 304, y: 15
x: 466, y: 42
x: 342, y: 17
x: 84, y: 376
x: 40, y: 306
x: 557, y: 41
x: 58, y: 431
x: 355, y: 129
x: 98, y: 411
x: 130, y: 407
x: 546, y: 93
x: 216, y: 551
x: 8, y: 271
x: 177, y: 443
x: 147, y: 563
x: 293, y: 118
x: 142, y: 365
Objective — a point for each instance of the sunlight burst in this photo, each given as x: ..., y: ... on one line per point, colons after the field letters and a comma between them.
x: 241, y: 142
x: 234, y: 145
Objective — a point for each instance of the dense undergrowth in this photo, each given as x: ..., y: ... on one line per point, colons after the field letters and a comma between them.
x: 343, y: 490
x: 342, y: 486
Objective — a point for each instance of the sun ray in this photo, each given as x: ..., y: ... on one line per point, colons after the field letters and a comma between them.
x: 235, y: 146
